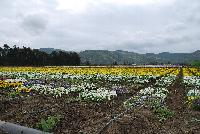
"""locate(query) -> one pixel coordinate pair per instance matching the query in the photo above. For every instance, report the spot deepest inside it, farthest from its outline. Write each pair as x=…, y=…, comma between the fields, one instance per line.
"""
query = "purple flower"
x=196, y=104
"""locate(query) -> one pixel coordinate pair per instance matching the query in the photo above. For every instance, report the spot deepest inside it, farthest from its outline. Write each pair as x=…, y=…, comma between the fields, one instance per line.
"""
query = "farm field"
x=97, y=100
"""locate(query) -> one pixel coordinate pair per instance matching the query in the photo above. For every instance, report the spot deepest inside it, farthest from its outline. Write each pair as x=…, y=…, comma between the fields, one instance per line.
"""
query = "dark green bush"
x=163, y=113
x=48, y=124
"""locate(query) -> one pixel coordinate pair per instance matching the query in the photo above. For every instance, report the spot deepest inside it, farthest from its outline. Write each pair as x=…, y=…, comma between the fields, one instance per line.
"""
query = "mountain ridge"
x=107, y=57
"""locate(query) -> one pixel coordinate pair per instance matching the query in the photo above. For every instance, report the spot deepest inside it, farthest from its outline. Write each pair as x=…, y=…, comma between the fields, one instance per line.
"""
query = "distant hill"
x=174, y=58
x=49, y=50
x=121, y=57
x=105, y=57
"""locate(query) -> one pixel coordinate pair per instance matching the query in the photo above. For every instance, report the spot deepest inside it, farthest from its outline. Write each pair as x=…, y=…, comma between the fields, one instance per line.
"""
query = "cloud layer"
x=139, y=26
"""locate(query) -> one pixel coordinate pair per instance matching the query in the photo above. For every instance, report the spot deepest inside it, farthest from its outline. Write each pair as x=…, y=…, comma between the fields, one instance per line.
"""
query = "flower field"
x=102, y=99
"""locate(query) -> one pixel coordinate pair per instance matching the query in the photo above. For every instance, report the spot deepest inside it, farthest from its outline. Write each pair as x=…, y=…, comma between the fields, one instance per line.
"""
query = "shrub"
x=14, y=94
x=48, y=124
x=163, y=113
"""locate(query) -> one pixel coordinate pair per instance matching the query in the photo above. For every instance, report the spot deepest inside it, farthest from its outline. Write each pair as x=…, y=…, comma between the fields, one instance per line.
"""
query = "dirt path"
x=177, y=93
x=176, y=101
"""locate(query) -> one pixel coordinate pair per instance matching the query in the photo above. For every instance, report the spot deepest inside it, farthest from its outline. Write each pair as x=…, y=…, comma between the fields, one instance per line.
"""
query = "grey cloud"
x=149, y=28
x=34, y=24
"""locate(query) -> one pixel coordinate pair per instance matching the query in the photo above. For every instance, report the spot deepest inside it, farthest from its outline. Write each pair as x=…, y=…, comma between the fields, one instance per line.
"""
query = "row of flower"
x=95, y=87
x=192, y=83
x=159, y=90
x=138, y=71
x=92, y=91
x=191, y=71
x=85, y=88
x=86, y=91
x=187, y=72
x=154, y=97
x=41, y=78
x=196, y=71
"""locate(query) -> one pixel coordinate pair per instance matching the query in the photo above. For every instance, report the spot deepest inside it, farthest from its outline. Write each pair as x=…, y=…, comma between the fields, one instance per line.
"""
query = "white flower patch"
x=16, y=80
x=192, y=80
x=147, y=91
x=97, y=95
x=193, y=92
x=48, y=90
x=166, y=81
x=154, y=92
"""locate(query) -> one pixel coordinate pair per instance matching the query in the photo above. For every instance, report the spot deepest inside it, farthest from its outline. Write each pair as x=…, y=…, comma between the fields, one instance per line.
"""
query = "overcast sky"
x=134, y=25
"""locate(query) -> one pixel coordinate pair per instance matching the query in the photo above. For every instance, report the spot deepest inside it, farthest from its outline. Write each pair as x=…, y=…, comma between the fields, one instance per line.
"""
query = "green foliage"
x=195, y=120
x=48, y=124
x=196, y=63
x=129, y=103
x=13, y=94
x=153, y=103
x=163, y=113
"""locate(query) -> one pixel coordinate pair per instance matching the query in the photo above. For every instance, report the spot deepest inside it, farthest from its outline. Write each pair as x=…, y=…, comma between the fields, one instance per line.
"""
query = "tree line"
x=15, y=56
